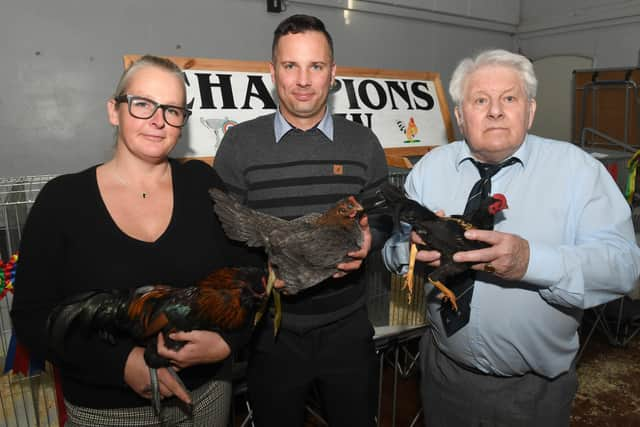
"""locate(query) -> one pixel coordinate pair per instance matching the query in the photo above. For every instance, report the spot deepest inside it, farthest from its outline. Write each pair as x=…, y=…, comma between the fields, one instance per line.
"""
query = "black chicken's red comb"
x=501, y=197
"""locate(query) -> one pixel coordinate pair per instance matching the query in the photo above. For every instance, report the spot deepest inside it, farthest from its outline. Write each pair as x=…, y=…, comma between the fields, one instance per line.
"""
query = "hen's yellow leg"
x=263, y=308
x=409, y=277
x=277, y=318
x=447, y=294
x=276, y=302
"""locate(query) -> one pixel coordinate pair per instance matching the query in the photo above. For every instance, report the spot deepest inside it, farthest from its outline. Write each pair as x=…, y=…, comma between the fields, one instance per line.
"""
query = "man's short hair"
x=519, y=63
x=299, y=24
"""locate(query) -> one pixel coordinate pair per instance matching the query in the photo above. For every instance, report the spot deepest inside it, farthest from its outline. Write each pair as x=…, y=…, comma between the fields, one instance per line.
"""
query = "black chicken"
x=444, y=234
x=223, y=301
x=302, y=252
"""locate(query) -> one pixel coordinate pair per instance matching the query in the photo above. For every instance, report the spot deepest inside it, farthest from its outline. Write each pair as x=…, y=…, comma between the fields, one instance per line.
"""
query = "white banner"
x=404, y=109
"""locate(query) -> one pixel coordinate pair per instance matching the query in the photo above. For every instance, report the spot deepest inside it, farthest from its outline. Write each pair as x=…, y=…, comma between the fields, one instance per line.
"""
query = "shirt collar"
x=523, y=153
x=282, y=126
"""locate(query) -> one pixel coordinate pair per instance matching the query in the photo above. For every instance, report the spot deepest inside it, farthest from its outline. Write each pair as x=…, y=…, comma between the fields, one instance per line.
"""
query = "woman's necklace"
x=144, y=194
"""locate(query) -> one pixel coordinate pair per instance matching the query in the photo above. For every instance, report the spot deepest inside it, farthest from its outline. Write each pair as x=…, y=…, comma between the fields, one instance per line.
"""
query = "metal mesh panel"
x=24, y=401
x=388, y=303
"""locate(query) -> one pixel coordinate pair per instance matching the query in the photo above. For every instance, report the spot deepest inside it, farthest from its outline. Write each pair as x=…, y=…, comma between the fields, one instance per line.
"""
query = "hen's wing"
x=310, y=255
x=242, y=223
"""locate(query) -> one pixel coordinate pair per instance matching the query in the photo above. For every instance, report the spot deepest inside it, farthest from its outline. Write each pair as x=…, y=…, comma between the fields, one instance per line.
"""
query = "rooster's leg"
x=447, y=294
x=155, y=388
x=409, y=277
x=155, y=391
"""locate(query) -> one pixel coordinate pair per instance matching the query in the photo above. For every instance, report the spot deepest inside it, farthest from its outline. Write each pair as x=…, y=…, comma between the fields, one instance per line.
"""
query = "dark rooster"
x=444, y=234
x=302, y=252
x=223, y=301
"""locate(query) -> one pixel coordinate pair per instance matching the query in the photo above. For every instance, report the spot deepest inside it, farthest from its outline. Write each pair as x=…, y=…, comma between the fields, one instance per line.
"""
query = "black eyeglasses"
x=144, y=108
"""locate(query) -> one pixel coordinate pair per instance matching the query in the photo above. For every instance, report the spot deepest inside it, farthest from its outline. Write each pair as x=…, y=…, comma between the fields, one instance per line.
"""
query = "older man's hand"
x=506, y=257
x=432, y=258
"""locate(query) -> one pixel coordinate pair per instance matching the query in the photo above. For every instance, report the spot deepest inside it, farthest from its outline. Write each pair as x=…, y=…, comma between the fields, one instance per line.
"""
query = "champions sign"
x=404, y=109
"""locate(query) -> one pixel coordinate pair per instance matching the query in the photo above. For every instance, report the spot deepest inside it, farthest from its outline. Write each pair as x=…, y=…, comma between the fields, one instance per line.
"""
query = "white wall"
x=606, y=30
x=555, y=95
x=554, y=33
x=61, y=59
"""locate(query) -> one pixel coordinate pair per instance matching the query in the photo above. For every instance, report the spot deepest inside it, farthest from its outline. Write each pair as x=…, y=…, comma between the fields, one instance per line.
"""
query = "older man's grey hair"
x=492, y=57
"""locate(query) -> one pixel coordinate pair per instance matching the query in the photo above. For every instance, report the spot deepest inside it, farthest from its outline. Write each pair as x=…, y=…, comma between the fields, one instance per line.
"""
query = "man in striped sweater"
x=300, y=160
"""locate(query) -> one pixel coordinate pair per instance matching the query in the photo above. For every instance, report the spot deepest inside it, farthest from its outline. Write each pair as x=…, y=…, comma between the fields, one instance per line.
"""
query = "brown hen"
x=302, y=252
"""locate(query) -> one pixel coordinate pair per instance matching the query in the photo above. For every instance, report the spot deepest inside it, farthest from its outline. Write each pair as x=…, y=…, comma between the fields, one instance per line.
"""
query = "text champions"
x=385, y=105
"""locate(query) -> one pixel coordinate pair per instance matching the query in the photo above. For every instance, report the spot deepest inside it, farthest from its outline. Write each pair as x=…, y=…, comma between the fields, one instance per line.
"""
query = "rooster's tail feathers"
x=87, y=310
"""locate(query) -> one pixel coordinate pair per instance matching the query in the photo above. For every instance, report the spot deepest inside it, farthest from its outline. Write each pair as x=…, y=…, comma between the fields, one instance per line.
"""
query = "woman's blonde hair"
x=142, y=62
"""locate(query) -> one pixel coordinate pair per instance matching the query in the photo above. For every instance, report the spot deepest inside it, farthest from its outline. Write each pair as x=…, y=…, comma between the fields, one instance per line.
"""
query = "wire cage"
x=24, y=400
x=388, y=303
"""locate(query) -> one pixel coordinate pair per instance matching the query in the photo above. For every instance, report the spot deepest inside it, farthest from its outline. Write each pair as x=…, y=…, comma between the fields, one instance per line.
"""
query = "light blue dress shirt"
x=282, y=126
x=582, y=253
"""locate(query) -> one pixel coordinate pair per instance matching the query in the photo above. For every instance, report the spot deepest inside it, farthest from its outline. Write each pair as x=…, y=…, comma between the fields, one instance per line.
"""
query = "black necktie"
x=454, y=320
x=482, y=187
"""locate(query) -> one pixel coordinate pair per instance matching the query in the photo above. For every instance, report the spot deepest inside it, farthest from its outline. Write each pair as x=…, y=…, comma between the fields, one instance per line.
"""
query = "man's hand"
x=359, y=255
x=432, y=258
x=136, y=375
x=201, y=347
x=507, y=257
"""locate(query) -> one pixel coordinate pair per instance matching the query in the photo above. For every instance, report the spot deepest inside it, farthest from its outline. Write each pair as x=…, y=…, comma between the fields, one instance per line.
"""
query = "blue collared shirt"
x=582, y=253
x=282, y=126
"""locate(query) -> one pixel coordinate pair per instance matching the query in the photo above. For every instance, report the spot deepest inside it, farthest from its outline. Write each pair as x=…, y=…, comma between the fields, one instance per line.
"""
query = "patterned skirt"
x=211, y=405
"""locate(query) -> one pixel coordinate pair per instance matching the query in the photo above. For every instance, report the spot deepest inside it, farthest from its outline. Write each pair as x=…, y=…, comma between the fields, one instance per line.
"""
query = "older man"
x=565, y=244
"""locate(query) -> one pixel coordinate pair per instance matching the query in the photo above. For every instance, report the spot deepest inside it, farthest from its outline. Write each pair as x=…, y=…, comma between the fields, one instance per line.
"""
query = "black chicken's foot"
x=447, y=294
x=409, y=277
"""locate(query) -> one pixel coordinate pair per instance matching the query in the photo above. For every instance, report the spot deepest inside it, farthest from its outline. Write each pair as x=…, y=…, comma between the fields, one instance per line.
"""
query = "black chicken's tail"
x=403, y=208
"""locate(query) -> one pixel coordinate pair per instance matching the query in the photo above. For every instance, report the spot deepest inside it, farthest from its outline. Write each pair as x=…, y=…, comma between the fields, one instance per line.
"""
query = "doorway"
x=555, y=94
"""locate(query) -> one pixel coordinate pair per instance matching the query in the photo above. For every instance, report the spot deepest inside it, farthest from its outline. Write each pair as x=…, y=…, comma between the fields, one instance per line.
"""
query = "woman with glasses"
x=140, y=218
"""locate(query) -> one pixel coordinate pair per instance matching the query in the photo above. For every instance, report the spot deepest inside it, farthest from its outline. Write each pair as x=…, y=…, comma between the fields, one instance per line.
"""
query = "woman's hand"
x=137, y=376
x=200, y=347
